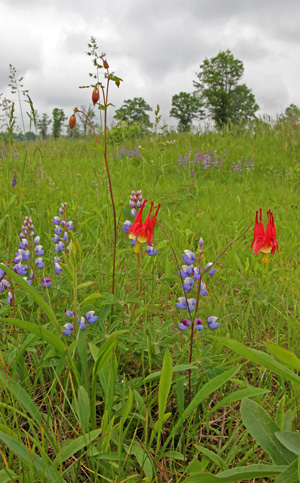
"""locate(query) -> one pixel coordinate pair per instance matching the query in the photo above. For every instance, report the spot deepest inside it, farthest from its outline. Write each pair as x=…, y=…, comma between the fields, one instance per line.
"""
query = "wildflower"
x=95, y=95
x=126, y=226
x=68, y=328
x=198, y=324
x=14, y=181
x=39, y=250
x=212, y=322
x=188, y=257
x=151, y=251
x=184, y=325
x=185, y=304
x=188, y=284
x=135, y=228
x=57, y=268
x=186, y=271
x=46, y=282
x=9, y=298
x=82, y=325
x=69, y=225
x=69, y=313
x=39, y=262
x=264, y=241
x=146, y=232
x=90, y=317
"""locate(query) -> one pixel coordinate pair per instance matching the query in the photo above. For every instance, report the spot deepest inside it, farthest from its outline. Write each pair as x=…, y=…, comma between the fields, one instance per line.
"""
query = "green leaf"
x=212, y=456
x=202, y=478
x=34, y=294
x=284, y=355
x=164, y=385
x=83, y=408
x=39, y=331
x=263, y=429
x=260, y=358
x=243, y=473
x=238, y=395
x=84, y=284
x=7, y=476
x=42, y=465
x=203, y=393
x=69, y=448
x=290, y=474
x=290, y=440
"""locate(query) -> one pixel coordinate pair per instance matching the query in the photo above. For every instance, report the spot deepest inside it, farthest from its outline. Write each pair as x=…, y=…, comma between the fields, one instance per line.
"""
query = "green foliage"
x=135, y=111
x=58, y=119
x=186, y=107
x=217, y=86
x=42, y=125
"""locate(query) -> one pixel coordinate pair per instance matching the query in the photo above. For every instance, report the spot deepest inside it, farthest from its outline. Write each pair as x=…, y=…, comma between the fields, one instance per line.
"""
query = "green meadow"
x=129, y=399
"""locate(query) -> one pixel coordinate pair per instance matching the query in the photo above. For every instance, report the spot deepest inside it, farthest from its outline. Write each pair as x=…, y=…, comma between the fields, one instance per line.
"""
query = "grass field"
x=124, y=399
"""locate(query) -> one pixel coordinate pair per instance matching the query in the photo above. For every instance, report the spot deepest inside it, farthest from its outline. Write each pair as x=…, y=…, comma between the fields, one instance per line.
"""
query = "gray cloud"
x=156, y=47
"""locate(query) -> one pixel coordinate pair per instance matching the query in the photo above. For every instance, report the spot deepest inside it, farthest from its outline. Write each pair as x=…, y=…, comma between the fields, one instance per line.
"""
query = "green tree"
x=186, y=107
x=292, y=113
x=217, y=86
x=42, y=125
x=134, y=111
x=58, y=119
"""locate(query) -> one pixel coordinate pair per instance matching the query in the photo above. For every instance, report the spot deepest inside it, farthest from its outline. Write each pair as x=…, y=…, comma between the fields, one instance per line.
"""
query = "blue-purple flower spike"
x=188, y=257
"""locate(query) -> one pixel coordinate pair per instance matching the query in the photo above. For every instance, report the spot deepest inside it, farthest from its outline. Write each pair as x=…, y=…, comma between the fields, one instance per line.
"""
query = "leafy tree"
x=42, y=125
x=217, y=85
x=59, y=118
x=134, y=111
x=292, y=113
x=186, y=107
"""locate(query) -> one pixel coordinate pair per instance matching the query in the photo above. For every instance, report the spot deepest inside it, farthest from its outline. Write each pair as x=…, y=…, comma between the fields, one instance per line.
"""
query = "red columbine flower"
x=146, y=233
x=135, y=228
x=264, y=241
x=95, y=95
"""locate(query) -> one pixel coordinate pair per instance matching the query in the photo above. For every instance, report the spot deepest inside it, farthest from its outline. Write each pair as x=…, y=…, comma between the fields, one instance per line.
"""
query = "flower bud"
x=72, y=121
x=105, y=64
x=95, y=95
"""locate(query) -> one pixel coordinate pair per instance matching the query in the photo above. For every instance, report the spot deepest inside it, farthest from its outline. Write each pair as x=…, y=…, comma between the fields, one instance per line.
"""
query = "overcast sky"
x=155, y=46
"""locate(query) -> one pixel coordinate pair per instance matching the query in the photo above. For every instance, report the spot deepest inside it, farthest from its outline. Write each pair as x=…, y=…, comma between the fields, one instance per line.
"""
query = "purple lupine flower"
x=186, y=271
x=188, y=284
x=201, y=242
x=18, y=258
x=196, y=274
x=39, y=262
x=82, y=325
x=69, y=225
x=203, y=290
x=151, y=251
x=188, y=257
x=9, y=298
x=55, y=239
x=133, y=213
x=127, y=224
x=184, y=325
x=20, y=269
x=57, y=268
x=2, y=273
x=58, y=230
x=39, y=250
x=90, y=317
x=212, y=322
x=36, y=240
x=68, y=328
x=56, y=220
x=24, y=243
x=46, y=282
x=133, y=242
x=69, y=313
x=59, y=247
x=25, y=254
x=198, y=324
x=182, y=305
x=28, y=281
x=14, y=181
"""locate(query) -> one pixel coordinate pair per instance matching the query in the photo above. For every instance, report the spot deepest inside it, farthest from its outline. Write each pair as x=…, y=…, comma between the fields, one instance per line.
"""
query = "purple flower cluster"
x=190, y=276
x=14, y=180
x=89, y=318
x=248, y=164
x=3, y=152
x=207, y=160
x=131, y=153
x=61, y=235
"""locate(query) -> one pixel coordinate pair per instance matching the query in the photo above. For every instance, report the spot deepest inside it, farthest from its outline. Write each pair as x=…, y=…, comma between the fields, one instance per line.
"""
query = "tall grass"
x=112, y=405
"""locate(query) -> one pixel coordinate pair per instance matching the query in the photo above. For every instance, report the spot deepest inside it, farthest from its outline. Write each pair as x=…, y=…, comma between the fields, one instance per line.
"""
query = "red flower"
x=72, y=121
x=144, y=231
x=264, y=241
x=135, y=228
